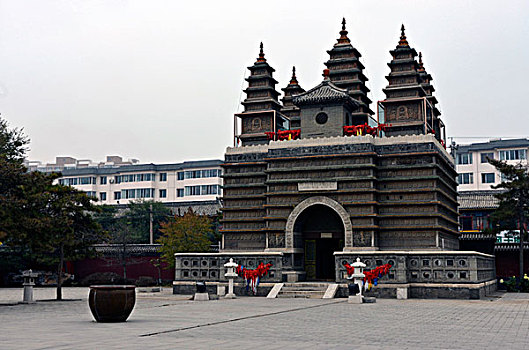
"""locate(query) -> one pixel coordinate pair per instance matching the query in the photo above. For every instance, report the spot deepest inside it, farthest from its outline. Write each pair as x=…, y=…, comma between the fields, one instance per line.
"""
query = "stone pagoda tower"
x=313, y=202
x=346, y=72
x=261, y=106
x=289, y=109
x=409, y=105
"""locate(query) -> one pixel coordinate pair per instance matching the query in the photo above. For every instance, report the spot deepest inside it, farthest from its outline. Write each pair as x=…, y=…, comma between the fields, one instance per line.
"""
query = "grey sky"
x=160, y=80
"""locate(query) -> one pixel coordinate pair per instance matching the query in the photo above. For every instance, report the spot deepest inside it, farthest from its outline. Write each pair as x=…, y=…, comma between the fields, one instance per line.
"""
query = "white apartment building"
x=474, y=171
x=176, y=184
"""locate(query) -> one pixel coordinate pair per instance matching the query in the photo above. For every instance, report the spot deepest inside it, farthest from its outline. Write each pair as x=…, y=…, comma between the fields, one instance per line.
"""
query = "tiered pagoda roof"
x=326, y=92
x=426, y=79
x=408, y=85
x=261, y=94
x=346, y=71
x=289, y=109
x=404, y=73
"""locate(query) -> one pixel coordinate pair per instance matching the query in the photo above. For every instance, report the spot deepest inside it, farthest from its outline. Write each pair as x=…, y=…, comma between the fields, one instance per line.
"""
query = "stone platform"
x=418, y=274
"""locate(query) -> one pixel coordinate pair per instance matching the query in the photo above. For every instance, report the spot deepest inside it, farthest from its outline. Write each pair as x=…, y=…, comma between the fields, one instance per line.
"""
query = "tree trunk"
x=59, y=272
x=521, y=273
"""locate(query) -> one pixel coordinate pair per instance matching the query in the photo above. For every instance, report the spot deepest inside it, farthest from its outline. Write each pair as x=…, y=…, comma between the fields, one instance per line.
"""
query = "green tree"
x=46, y=223
x=513, y=207
x=69, y=230
x=188, y=233
x=13, y=147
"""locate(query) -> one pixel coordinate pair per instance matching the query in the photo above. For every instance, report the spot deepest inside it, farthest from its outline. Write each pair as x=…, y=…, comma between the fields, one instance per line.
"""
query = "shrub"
x=103, y=278
x=510, y=284
x=145, y=281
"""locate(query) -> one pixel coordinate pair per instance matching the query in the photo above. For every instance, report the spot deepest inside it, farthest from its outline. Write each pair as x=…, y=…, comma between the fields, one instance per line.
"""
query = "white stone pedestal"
x=355, y=299
x=201, y=297
x=402, y=293
x=221, y=290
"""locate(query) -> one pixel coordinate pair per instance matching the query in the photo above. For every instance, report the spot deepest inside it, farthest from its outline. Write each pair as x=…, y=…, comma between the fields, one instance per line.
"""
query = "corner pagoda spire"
x=289, y=109
x=346, y=72
x=409, y=105
x=261, y=105
x=421, y=65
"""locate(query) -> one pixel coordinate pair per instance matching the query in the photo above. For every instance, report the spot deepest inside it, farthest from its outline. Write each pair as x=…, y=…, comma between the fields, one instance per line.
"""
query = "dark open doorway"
x=322, y=230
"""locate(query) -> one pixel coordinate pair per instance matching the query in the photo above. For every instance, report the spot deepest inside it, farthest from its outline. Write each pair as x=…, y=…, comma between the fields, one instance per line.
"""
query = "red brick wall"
x=136, y=267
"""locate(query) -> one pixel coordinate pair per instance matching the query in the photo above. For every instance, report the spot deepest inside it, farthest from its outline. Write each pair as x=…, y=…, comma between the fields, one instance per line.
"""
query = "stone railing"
x=423, y=266
x=210, y=266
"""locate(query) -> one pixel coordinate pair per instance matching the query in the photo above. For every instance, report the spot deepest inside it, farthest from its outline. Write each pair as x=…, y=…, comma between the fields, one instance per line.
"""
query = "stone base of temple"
x=427, y=290
x=414, y=273
x=239, y=289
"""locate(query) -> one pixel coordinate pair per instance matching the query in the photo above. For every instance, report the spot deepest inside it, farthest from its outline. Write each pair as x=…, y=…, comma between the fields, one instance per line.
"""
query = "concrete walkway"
x=166, y=321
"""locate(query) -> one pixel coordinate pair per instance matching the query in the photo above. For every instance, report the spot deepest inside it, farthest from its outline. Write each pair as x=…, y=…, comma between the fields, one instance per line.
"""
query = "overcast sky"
x=161, y=80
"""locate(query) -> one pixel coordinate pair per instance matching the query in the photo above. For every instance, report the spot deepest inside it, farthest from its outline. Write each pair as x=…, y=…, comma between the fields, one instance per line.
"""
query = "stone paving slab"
x=166, y=321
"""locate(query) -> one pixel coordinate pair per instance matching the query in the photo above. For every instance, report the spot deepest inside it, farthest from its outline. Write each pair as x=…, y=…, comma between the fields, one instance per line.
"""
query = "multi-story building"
x=475, y=173
x=178, y=185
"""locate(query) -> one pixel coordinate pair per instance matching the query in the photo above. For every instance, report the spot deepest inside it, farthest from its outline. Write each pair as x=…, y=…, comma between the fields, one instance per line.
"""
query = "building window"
x=117, y=196
x=466, y=223
x=163, y=193
x=486, y=156
x=210, y=173
x=487, y=178
x=179, y=192
x=163, y=176
x=513, y=154
x=465, y=178
x=103, y=180
x=464, y=158
x=192, y=190
x=180, y=175
x=91, y=194
x=475, y=222
x=103, y=196
x=209, y=189
x=135, y=178
x=137, y=193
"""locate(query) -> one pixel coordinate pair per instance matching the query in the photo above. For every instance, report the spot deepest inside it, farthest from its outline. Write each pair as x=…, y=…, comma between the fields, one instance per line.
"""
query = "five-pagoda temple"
x=316, y=181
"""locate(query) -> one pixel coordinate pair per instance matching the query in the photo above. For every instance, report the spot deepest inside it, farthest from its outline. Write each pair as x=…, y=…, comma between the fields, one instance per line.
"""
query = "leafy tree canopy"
x=514, y=195
x=48, y=223
x=188, y=233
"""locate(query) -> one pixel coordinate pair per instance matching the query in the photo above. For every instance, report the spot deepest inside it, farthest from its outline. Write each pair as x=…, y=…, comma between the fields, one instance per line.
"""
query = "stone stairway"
x=314, y=290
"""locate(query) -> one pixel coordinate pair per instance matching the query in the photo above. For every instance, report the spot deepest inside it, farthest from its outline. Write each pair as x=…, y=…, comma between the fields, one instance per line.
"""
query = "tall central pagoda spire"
x=346, y=72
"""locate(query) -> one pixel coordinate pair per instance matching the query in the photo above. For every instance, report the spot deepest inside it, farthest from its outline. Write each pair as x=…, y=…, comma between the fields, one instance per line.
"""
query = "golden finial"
x=343, y=34
x=403, y=41
x=261, y=54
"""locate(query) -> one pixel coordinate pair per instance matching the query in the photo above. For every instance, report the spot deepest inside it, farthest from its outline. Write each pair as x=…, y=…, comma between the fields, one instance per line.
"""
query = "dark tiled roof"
x=477, y=200
x=133, y=249
x=325, y=92
x=491, y=145
x=510, y=247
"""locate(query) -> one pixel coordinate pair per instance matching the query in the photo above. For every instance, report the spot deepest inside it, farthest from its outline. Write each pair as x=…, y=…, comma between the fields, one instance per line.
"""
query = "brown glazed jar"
x=112, y=303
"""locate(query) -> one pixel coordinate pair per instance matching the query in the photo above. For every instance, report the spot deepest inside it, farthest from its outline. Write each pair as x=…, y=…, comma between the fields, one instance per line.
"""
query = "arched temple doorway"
x=319, y=230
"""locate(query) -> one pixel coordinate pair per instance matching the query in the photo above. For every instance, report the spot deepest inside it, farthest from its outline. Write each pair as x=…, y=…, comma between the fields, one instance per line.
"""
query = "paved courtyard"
x=166, y=321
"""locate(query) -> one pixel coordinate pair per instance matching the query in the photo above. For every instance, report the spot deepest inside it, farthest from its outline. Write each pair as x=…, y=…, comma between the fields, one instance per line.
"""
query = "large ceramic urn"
x=112, y=303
